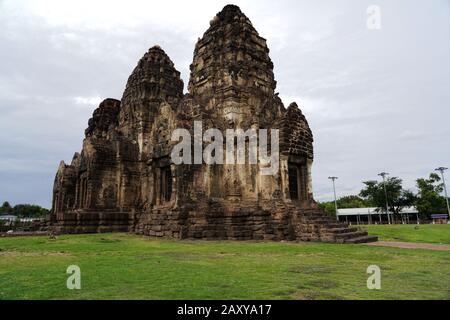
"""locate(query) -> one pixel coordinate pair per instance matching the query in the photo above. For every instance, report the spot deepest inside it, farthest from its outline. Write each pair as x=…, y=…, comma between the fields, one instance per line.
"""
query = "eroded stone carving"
x=124, y=180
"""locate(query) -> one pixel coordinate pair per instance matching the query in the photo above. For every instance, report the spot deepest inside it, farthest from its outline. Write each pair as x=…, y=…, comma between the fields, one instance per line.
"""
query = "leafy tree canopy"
x=5, y=208
x=24, y=210
x=398, y=198
x=429, y=200
x=352, y=201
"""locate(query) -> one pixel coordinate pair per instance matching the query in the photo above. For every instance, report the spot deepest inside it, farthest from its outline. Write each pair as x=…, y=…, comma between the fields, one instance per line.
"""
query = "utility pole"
x=442, y=169
x=335, y=199
x=384, y=174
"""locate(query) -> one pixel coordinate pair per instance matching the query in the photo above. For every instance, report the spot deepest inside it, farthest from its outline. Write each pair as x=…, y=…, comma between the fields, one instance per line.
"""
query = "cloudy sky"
x=377, y=100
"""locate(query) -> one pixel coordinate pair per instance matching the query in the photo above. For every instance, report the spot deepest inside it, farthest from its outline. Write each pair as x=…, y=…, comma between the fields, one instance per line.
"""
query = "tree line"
x=427, y=200
x=23, y=210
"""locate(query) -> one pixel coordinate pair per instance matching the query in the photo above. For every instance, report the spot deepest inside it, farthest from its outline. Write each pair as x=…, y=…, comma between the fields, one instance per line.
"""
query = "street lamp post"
x=335, y=200
x=384, y=174
x=442, y=169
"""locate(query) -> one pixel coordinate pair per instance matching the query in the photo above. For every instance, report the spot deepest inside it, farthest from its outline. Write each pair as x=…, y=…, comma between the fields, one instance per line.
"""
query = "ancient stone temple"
x=124, y=178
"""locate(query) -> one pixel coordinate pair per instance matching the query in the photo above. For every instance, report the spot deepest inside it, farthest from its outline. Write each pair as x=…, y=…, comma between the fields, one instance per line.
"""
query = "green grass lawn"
x=123, y=266
x=412, y=233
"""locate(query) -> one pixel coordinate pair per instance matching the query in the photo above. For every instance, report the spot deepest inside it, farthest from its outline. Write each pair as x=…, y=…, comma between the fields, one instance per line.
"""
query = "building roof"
x=7, y=217
x=371, y=211
x=439, y=216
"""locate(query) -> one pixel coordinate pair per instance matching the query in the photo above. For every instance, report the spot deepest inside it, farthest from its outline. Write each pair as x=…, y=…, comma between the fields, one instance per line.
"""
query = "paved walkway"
x=411, y=245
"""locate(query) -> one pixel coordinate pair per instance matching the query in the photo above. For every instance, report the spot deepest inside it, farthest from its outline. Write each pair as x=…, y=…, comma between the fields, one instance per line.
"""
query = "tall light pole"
x=442, y=169
x=384, y=174
x=335, y=199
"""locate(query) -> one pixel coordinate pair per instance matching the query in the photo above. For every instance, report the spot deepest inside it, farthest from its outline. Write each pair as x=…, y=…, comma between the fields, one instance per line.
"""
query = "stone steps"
x=316, y=224
x=350, y=235
x=341, y=230
x=363, y=239
x=337, y=225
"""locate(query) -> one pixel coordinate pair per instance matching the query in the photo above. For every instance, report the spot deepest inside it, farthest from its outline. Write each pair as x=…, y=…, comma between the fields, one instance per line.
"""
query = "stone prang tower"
x=124, y=179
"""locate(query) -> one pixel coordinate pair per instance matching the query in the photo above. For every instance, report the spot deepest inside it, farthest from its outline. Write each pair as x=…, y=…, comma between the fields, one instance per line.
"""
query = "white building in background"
x=8, y=217
x=375, y=215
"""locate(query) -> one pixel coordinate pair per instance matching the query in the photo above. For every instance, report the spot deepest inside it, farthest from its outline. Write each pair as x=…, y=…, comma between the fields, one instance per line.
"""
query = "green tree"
x=328, y=207
x=352, y=201
x=398, y=198
x=29, y=211
x=5, y=208
x=429, y=200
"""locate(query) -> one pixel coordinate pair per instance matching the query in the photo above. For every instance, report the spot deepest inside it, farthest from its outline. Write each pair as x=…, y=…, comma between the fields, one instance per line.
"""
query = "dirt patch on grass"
x=170, y=255
x=312, y=269
x=411, y=245
x=268, y=254
x=317, y=284
x=317, y=254
x=228, y=254
x=105, y=240
x=284, y=293
x=32, y=254
x=316, y=295
x=323, y=283
x=247, y=254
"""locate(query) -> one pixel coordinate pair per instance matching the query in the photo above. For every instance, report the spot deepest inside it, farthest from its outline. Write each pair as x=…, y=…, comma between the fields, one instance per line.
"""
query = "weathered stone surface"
x=124, y=179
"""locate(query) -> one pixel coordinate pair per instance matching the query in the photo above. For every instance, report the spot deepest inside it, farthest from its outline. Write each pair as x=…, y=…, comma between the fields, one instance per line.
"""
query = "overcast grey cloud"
x=375, y=99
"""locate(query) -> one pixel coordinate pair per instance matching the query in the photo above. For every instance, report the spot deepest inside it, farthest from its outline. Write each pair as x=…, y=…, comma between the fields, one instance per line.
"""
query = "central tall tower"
x=232, y=74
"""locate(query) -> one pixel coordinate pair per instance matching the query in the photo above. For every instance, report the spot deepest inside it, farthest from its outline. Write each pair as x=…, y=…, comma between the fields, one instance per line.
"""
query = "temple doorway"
x=297, y=176
x=166, y=184
x=293, y=182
